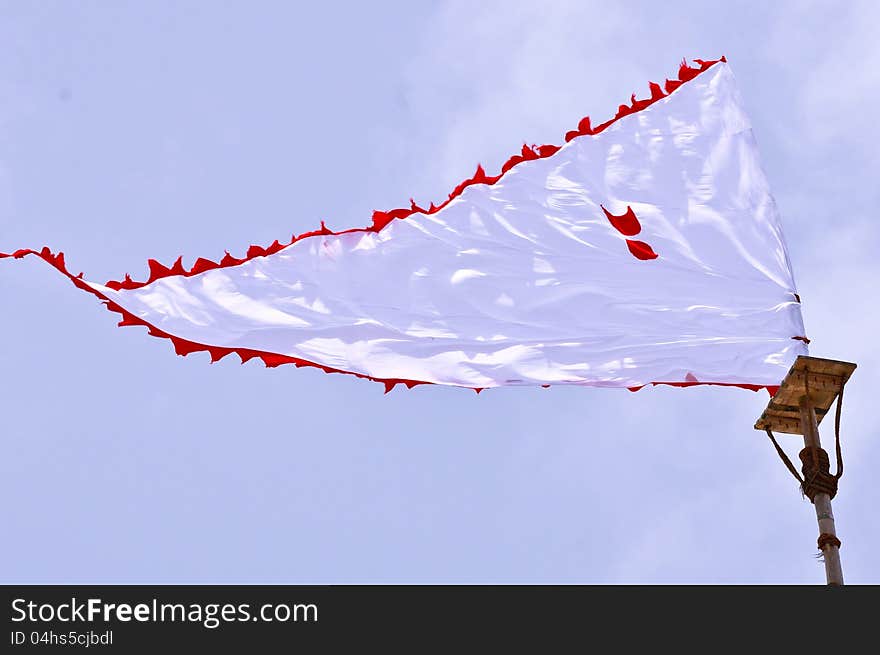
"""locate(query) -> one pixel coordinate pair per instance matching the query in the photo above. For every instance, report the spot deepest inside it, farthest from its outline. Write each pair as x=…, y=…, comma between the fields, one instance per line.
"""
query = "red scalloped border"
x=184, y=347
x=380, y=220
x=383, y=218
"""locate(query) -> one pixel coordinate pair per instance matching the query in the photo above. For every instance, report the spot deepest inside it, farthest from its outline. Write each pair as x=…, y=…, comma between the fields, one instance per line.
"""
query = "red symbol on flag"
x=628, y=225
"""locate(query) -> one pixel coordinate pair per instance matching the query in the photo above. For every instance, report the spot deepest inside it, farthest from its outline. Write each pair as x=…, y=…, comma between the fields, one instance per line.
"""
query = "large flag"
x=647, y=249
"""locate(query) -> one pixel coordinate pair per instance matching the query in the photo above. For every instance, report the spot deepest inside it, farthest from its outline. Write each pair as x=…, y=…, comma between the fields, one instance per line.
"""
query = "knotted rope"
x=816, y=469
x=815, y=464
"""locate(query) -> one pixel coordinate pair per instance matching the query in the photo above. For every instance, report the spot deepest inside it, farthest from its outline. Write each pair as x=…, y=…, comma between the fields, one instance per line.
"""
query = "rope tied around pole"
x=817, y=477
x=816, y=467
x=826, y=539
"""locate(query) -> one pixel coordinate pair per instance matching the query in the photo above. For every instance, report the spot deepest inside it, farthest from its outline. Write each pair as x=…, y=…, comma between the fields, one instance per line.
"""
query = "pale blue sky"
x=153, y=129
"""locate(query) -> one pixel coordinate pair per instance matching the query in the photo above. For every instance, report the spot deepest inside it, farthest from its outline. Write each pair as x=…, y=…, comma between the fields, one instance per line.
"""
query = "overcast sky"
x=153, y=129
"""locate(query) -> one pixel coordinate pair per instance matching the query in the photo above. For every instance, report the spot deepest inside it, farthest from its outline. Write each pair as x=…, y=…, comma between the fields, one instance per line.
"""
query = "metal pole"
x=822, y=501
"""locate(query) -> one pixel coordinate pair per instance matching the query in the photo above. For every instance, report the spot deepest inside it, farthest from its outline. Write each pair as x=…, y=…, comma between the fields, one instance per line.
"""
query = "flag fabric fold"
x=645, y=250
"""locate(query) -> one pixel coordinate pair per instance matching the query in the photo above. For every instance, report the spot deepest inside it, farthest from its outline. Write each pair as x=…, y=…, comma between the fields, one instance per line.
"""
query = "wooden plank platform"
x=822, y=377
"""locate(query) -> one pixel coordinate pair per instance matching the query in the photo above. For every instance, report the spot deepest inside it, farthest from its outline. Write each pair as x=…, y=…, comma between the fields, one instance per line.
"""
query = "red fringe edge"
x=383, y=218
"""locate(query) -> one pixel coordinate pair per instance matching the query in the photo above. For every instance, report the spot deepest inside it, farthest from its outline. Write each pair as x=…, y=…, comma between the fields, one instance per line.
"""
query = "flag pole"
x=804, y=398
x=829, y=544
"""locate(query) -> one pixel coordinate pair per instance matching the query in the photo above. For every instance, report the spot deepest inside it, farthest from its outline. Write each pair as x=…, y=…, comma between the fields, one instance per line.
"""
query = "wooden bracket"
x=821, y=379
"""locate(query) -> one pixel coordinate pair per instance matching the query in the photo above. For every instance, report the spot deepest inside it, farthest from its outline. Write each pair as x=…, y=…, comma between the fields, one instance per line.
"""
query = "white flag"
x=645, y=250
